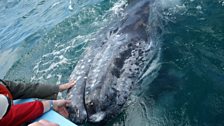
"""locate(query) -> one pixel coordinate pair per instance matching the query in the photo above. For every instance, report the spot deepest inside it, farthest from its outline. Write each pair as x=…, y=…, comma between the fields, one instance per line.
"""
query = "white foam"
x=55, y=4
x=59, y=79
x=199, y=7
x=154, y=66
x=70, y=7
x=169, y=3
x=50, y=63
x=49, y=76
x=118, y=7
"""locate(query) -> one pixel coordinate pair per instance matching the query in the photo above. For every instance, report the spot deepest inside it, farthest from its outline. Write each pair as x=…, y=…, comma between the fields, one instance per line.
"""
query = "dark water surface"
x=42, y=41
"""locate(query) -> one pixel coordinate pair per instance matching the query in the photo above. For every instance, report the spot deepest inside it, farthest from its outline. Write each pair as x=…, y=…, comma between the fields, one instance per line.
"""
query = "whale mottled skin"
x=110, y=68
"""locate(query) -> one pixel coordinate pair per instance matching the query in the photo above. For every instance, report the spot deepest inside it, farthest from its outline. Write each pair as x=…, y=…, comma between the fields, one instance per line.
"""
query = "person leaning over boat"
x=16, y=115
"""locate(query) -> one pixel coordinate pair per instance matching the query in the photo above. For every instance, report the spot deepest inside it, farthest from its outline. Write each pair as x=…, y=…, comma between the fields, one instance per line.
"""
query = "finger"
x=63, y=102
x=68, y=101
x=72, y=82
x=68, y=104
x=63, y=111
x=48, y=123
x=71, y=85
x=36, y=124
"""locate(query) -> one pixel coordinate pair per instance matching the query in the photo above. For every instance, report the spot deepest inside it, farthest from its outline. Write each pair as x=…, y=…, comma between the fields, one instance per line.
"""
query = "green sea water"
x=41, y=41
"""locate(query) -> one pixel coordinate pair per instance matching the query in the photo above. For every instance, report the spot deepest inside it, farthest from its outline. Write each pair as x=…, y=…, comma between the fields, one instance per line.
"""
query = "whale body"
x=111, y=67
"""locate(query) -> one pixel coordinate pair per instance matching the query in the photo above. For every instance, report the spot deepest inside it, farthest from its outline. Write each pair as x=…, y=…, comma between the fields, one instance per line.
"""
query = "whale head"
x=117, y=65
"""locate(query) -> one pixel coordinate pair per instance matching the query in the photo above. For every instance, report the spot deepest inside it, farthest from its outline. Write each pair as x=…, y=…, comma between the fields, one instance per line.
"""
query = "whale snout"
x=97, y=117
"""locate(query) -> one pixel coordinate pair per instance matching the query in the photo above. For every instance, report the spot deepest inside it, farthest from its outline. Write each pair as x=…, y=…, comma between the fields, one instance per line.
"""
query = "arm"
x=22, y=113
x=28, y=90
x=57, y=104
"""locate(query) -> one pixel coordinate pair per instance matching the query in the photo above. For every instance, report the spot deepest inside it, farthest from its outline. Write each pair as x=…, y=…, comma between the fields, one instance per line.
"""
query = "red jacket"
x=20, y=113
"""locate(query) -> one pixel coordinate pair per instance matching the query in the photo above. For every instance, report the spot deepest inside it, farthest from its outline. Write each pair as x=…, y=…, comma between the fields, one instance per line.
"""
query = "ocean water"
x=41, y=41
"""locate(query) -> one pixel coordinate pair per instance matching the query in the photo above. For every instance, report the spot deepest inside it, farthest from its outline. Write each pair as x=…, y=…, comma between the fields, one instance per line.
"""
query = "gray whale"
x=111, y=67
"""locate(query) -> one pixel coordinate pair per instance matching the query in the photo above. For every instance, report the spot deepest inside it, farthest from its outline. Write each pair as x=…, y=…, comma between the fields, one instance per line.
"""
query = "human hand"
x=43, y=123
x=59, y=106
x=66, y=86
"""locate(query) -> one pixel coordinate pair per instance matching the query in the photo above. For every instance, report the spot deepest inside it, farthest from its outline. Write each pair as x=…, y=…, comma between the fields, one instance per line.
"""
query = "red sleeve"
x=22, y=113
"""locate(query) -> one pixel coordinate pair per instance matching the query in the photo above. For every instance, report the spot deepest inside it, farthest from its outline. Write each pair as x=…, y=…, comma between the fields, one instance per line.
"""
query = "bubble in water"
x=222, y=2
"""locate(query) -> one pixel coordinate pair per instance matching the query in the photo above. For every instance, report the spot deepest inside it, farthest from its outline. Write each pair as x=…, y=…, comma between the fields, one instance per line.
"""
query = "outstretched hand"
x=67, y=86
x=59, y=106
